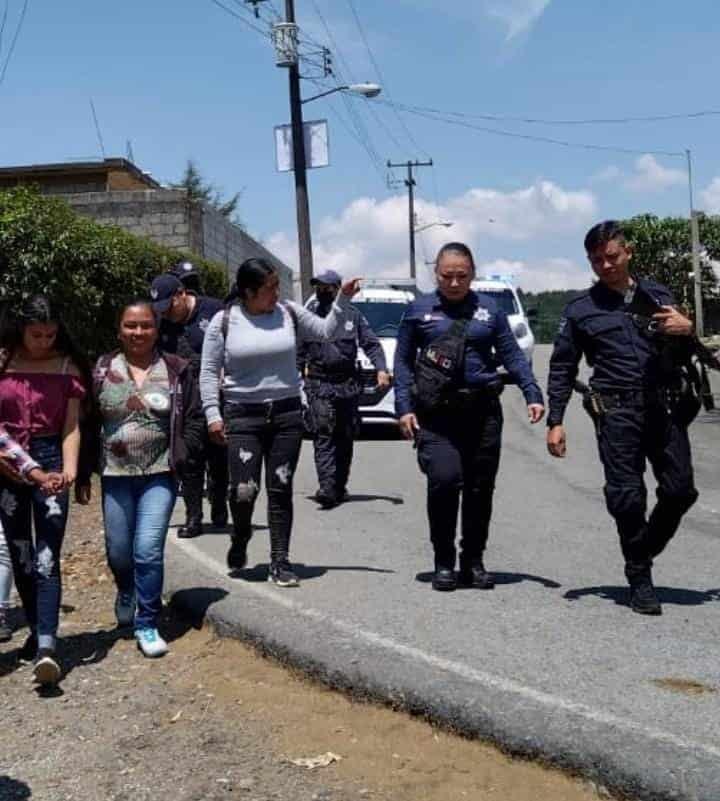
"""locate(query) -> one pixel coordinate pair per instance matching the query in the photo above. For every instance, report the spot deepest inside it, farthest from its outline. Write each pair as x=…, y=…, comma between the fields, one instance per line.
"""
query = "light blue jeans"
x=137, y=512
x=6, y=572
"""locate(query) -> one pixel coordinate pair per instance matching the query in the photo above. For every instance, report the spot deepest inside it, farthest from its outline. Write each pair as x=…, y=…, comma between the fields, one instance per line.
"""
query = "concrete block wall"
x=167, y=217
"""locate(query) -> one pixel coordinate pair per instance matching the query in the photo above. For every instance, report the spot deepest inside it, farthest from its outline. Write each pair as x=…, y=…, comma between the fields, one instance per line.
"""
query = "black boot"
x=444, y=579
x=193, y=497
x=237, y=553
x=643, y=598
x=476, y=576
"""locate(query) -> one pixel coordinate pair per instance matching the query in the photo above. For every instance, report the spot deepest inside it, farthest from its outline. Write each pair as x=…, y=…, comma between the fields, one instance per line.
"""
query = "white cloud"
x=710, y=197
x=370, y=237
x=540, y=274
x=517, y=15
x=607, y=175
x=651, y=176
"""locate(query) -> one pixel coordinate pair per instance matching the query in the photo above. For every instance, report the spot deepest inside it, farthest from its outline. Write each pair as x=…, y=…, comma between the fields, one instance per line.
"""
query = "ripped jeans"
x=274, y=439
x=36, y=565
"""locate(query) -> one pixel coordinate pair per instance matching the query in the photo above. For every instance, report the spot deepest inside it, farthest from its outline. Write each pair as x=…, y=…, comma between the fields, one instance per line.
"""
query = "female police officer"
x=447, y=398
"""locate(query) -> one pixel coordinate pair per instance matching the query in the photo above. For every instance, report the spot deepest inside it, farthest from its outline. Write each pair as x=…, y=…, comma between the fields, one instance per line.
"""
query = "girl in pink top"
x=41, y=388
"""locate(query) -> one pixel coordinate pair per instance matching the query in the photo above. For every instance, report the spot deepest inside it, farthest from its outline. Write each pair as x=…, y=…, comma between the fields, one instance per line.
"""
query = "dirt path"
x=213, y=720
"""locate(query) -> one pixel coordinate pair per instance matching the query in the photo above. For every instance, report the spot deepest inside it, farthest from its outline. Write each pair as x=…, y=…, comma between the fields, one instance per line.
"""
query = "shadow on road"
x=666, y=595
x=14, y=789
x=501, y=578
x=304, y=572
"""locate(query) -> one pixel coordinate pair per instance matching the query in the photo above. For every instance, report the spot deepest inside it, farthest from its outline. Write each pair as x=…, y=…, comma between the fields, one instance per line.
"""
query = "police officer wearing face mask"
x=447, y=398
x=184, y=318
x=332, y=387
x=639, y=401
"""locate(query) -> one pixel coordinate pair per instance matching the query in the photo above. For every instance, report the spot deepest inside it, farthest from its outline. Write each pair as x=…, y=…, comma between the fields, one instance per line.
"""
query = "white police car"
x=383, y=304
x=503, y=292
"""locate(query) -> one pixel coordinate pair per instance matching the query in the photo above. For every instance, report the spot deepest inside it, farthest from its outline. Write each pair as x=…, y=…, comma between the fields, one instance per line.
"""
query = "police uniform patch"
x=482, y=315
x=154, y=294
x=563, y=325
x=349, y=325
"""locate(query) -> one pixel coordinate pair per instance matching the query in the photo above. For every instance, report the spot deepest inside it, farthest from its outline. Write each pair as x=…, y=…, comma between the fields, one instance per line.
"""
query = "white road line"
x=457, y=668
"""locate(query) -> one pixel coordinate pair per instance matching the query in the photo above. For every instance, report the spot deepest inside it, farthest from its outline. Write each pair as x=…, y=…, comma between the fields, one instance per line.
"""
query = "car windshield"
x=384, y=317
x=504, y=299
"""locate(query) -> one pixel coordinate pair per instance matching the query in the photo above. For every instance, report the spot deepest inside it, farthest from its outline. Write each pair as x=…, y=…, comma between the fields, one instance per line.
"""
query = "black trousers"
x=254, y=440
x=334, y=424
x=214, y=460
x=627, y=436
x=459, y=452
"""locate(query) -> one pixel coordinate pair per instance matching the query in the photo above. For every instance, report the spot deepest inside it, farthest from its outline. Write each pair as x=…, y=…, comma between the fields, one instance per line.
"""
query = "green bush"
x=89, y=270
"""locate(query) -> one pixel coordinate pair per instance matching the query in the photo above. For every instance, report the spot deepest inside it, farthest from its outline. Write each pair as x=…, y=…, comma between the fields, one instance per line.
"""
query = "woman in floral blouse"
x=150, y=420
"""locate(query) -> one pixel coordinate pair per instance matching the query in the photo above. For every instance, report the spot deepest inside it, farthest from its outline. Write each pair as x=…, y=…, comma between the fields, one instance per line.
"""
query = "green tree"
x=663, y=251
x=198, y=188
x=88, y=269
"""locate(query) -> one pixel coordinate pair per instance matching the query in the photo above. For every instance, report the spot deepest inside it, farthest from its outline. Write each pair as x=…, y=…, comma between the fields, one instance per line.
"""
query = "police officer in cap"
x=185, y=316
x=447, y=398
x=188, y=275
x=332, y=387
x=638, y=400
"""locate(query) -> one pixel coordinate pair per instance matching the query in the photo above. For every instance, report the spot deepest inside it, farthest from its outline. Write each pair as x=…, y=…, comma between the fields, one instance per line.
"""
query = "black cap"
x=183, y=269
x=329, y=277
x=162, y=290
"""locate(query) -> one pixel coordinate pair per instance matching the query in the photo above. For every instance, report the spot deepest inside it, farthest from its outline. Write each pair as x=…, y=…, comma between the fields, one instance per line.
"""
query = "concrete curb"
x=626, y=757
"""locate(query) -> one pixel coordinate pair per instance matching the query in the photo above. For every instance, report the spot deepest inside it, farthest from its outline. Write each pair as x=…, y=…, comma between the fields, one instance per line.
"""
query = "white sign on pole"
x=317, y=147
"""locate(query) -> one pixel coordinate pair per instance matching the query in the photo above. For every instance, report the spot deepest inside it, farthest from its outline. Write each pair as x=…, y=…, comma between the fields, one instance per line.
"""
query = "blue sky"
x=184, y=79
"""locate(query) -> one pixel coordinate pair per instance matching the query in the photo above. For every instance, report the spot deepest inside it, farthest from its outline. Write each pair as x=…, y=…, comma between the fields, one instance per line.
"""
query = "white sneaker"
x=151, y=643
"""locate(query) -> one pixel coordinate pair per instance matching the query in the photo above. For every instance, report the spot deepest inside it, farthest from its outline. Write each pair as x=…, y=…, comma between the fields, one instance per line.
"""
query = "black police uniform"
x=635, y=411
x=333, y=389
x=186, y=339
x=459, y=445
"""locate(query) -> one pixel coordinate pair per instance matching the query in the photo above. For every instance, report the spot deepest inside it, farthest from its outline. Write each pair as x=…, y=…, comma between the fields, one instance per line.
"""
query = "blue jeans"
x=137, y=512
x=36, y=565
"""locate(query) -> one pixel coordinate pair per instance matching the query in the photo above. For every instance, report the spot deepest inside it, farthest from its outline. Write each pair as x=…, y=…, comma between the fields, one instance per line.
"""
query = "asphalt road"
x=550, y=663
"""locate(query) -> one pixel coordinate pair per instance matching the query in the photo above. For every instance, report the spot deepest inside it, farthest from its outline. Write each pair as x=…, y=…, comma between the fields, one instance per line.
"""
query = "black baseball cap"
x=329, y=277
x=162, y=290
x=183, y=269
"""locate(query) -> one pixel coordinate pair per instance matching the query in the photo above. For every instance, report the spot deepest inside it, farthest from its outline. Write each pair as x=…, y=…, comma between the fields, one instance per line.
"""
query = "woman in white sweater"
x=249, y=356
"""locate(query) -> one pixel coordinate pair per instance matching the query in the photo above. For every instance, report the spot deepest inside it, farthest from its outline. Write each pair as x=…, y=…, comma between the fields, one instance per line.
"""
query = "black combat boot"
x=643, y=598
x=476, y=576
x=444, y=579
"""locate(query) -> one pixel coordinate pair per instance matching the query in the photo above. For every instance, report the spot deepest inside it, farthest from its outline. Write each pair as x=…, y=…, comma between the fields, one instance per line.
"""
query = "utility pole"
x=410, y=183
x=300, y=170
x=697, y=268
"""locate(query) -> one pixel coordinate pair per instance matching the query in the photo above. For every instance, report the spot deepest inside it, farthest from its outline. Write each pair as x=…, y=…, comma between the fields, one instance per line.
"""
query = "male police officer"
x=636, y=398
x=185, y=317
x=188, y=275
x=333, y=389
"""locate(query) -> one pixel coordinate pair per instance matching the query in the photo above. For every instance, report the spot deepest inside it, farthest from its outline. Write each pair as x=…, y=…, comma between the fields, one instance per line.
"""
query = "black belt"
x=333, y=378
x=265, y=409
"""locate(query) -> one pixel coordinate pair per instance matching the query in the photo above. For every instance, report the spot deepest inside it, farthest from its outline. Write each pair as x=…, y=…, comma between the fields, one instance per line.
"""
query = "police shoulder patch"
x=482, y=314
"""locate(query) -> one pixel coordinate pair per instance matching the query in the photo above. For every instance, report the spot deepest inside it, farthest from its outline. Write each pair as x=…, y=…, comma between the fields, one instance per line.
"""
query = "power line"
x=591, y=121
x=541, y=139
x=4, y=22
x=383, y=82
x=14, y=41
x=244, y=20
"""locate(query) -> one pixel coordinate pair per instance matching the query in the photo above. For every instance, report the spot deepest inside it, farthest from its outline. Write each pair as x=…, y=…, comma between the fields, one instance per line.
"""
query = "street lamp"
x=368, y=90
x=438, y=223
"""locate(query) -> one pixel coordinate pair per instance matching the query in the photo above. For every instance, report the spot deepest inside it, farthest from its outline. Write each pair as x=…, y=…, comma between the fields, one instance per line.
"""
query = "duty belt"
x=333, y=378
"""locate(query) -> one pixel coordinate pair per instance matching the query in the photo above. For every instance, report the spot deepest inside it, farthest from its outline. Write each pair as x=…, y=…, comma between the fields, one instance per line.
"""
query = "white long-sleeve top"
x=258, y=360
